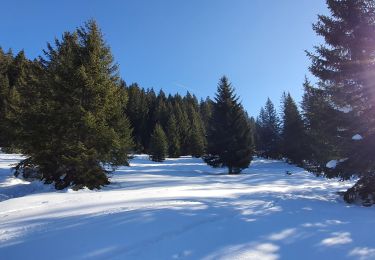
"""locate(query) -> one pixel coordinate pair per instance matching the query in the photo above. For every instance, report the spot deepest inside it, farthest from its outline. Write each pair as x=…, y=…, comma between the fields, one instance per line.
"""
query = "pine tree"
x=158, y=144
x=229, y=138
x=292, y=132
x=253, y=128
x=4, y=93
x=137, y=110
x=197, y=138
x=320, y=122
x=183, y=126
x=345, y=66
x=205, y=108
x=12, y=78
x=161, y=110
x=150, y=125
x=268, y=129
x=82, y=125
x=173, y=138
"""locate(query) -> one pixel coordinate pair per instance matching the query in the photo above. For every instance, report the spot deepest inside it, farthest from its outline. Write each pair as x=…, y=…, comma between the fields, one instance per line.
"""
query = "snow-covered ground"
x=183, y=209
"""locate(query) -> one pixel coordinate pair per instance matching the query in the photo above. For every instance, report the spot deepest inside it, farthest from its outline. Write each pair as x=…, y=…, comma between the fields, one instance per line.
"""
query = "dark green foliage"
x=229, y=134
x=321, y=121
x=12, y=78
x=205, y=108
x=145, y=109
x=183, y=127
x=173, y=138
x=268, y=131
x=292, y=132
x=78, y=123
x=158, y=144
x=197, y=138
x=137, y=110
x=160, y=114
x=346, y=69
x=253, y=133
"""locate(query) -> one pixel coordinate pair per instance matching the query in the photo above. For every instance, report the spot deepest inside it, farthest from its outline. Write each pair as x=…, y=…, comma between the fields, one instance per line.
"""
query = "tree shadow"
x=260, y=214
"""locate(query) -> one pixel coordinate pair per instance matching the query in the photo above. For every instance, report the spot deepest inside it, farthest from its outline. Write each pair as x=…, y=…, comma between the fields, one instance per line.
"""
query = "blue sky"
x=181, y=45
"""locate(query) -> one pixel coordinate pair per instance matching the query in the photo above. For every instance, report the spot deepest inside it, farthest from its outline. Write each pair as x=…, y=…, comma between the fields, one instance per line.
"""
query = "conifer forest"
x=95, y=167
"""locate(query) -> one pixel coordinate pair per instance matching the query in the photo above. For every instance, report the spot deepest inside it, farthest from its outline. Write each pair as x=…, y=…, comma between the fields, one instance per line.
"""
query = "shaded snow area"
x=183, y=209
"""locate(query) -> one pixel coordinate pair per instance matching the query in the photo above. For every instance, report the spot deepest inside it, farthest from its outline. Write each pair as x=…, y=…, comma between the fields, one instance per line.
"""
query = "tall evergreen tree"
x=158, y=144
x=13, y=73
x=269, y=131
x=4, y=96
x=345, y=66
x=137, y=110
x=82, y=123
x=292, y=132
x=197, y=138
x=183, y=126
x=253, y=129
x=229, y=138
x=206, y=111
x=320, y=123
x=151, y=103
x=173, y=138
x=161, y=110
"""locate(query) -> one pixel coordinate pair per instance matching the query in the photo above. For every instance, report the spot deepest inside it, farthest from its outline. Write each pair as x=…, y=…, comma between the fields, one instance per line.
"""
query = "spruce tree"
x=158, y=144
x=229, y=138
x=137, y=110
x=320, y=123
x=206, y=111
x=151, y=103
x=197, y=138
x=253, y=129
x=13, y=73
x=268, y=128
x=79, y=125
x=173, y=138
x=292, y=132
x=183, y=126
x=161, y=110
x=345, y=66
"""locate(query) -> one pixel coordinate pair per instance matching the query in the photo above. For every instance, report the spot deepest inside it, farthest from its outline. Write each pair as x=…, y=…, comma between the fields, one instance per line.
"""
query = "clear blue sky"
x=181, y=45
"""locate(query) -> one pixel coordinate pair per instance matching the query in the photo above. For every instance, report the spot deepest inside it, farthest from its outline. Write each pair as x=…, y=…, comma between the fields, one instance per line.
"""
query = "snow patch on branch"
x=345, y=109
x=333, y=163
x=357, y=137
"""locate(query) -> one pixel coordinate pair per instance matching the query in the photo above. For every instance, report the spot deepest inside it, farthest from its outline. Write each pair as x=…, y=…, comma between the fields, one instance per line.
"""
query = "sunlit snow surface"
x=183, y=209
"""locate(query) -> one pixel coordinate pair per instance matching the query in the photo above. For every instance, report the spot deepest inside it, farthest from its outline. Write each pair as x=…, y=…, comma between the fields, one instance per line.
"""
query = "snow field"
x=184, y=209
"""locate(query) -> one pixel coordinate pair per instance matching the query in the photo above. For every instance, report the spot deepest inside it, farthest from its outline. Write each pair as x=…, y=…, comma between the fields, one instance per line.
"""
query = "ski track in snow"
x=183, y=209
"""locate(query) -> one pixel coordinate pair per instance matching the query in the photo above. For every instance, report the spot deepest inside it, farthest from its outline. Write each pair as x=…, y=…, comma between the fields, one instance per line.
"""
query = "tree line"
x=167, y=125
x=75, y=119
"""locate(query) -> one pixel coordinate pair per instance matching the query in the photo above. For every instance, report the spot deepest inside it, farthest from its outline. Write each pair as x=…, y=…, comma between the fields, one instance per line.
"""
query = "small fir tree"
x=158, y=144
